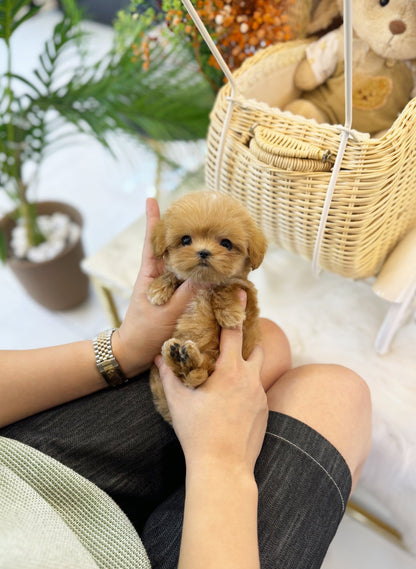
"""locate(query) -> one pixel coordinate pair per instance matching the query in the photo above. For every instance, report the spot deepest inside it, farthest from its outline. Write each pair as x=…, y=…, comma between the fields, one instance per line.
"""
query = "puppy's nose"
x=204, y=253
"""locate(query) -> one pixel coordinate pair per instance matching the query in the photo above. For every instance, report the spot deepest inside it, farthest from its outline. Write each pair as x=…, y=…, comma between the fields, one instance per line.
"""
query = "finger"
x=231, y=342
x=170, y=382
x=257, y=357
x=152, y=217
x=242, y=297
x=181, y=298
x=231, y=339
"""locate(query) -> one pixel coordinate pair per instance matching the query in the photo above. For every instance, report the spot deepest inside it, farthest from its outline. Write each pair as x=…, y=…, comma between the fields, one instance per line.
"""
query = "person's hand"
x=223, y=421
x=145, y=326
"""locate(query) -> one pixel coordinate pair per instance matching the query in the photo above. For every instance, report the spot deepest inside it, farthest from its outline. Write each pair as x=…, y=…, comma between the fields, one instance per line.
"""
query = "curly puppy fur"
x=209, y=238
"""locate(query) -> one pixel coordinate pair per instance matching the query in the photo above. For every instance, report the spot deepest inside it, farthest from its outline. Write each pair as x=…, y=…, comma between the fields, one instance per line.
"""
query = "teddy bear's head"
x=388, y=26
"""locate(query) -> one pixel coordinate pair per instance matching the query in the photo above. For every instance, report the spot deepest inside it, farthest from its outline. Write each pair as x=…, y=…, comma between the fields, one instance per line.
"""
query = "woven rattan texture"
x=374, y=203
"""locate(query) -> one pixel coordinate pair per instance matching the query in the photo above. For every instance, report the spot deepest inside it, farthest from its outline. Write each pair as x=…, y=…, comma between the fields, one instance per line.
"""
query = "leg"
x=307, y=109
x=316, y=442
x=277, y=356
x=334, y=401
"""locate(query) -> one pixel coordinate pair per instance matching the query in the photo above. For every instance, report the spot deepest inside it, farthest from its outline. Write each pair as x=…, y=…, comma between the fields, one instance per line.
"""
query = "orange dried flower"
x=241, y=27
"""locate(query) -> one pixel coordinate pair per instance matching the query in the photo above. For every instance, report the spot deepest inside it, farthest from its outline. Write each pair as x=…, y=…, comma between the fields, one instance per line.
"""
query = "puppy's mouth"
x=203, y=272
x=204, y=263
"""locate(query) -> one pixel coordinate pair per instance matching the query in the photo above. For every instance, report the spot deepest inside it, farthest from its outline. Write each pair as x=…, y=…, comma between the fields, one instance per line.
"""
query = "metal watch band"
x=107, y=364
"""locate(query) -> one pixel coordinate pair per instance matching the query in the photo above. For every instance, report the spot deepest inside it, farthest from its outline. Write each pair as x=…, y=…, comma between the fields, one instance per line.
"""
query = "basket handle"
x=345, y=134
x=227, y=72
x=210, y=42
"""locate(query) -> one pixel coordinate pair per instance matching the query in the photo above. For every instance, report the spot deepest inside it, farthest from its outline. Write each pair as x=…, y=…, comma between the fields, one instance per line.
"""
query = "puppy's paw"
x=196, y=377
x=162, y=288
x=191, y=357
x=181, y=358
x=231, y=317
x=171, y=355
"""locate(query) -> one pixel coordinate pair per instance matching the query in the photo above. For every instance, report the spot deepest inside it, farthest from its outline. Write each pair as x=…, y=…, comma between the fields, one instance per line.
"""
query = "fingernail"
x=242, y=295
x=158, y=360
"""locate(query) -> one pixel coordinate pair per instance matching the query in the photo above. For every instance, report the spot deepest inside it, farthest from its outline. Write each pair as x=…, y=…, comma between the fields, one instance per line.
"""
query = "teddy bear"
x=384, y=54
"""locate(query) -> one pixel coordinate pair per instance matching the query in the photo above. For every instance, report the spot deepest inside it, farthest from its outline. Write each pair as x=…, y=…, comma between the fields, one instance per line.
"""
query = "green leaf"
x=12, y=14
x=3, y=247
x=27, y=83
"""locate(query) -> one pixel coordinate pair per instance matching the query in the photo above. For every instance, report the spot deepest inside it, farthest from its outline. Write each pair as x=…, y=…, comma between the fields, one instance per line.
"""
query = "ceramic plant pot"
x=57, y=284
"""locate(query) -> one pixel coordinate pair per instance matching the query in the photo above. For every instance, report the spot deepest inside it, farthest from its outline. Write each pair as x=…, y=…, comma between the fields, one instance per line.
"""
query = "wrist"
x=107, y=364
x=130, y=366
x=210, y=469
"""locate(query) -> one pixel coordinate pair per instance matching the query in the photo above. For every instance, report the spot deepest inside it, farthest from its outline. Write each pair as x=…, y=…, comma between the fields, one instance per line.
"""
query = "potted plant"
x=97, y=99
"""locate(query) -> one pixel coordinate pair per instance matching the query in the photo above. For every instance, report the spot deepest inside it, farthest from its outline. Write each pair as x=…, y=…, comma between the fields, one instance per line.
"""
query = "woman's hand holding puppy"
x=225, y=418
x=221, y=426
x=135, y=346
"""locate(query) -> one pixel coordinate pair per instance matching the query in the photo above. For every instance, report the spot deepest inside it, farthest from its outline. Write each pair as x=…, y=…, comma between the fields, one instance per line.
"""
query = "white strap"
x=227, y=72
x=209, y=41
x=346, y=133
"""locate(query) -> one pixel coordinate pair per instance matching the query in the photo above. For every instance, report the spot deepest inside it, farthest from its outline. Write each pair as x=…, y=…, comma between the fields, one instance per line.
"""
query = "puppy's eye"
x=384, y=3
x=226, y=243
x=186, y=240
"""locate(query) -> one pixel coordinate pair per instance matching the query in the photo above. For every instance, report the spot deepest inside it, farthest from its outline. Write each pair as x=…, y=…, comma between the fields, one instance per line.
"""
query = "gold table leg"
x=364, y=517
x=106, y=298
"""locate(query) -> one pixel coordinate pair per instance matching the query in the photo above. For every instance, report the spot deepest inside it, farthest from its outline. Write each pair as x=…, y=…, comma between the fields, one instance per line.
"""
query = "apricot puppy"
x=211, y=239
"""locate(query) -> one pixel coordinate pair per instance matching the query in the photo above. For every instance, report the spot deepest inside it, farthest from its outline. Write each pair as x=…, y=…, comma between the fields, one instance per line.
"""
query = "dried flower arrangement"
x=239, y=29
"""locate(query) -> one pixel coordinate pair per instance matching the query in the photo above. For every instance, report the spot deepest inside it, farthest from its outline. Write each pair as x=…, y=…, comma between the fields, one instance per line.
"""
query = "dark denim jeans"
x=116, y=439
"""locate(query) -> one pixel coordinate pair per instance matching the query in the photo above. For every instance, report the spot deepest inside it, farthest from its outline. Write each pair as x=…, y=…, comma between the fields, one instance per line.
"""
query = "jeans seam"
x=316, y=462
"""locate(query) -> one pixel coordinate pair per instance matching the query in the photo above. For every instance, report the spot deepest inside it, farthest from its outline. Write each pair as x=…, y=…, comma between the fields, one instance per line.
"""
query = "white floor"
x=110, y=194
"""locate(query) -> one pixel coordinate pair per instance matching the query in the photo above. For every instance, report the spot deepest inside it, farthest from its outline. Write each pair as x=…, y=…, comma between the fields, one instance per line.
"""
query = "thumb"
x=257, y=357
x=171, y=383
x=181, y=298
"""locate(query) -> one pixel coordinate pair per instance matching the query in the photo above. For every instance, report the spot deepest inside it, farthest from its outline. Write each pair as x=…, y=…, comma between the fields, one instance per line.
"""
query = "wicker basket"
x=374, y=201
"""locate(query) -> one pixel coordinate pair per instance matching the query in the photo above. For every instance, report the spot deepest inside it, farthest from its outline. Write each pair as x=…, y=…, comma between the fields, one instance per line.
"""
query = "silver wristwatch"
x=107, y=364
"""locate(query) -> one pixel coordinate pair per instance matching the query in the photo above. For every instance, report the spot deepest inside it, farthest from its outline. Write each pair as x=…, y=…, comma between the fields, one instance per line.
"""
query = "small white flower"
x=45, y=251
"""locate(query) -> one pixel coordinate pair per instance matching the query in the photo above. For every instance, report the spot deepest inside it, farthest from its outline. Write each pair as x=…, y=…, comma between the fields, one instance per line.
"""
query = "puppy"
x=209, y=238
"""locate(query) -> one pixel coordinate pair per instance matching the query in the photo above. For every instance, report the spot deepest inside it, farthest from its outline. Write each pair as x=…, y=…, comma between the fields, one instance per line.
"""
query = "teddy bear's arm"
x=305, y=78
x=320, y=62
x=162, y=288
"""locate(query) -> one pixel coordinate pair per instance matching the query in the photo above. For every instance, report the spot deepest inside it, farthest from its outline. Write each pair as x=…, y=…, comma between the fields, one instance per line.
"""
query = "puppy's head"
x=208, y=237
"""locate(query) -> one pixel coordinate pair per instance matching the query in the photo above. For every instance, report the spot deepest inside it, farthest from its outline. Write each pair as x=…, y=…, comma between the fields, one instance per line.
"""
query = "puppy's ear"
x=158, y=239
x=257, y=246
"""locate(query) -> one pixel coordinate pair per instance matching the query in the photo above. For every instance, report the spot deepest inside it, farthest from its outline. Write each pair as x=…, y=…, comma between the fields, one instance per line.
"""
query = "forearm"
x=220, y=521
x=34, y=380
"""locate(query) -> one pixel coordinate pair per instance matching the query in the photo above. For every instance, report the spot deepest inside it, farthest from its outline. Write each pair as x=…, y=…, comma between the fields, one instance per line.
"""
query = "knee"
x=346, y=390
x=341, y=382
x=332, y=399
x=277, y=354
x=353, y=403
x=331, y=383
